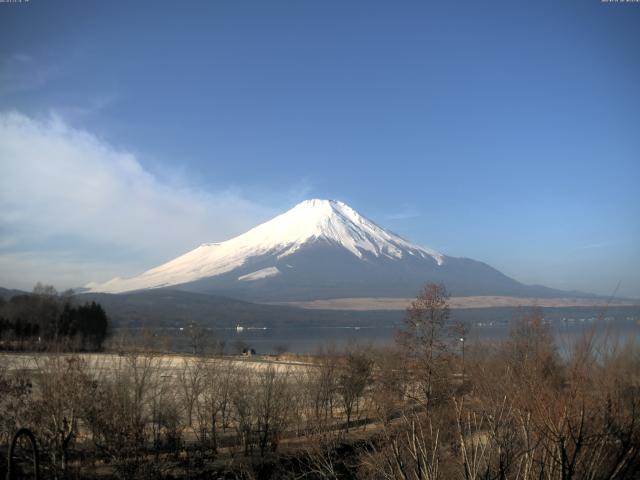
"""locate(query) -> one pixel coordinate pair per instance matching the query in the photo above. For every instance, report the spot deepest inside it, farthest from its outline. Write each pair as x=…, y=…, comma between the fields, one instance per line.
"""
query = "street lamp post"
x=462, y=343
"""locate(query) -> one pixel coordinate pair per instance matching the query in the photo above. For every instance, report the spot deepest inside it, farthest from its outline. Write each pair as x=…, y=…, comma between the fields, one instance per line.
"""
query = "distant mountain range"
x=7, y=294
x=322, y=249
x=165, y=307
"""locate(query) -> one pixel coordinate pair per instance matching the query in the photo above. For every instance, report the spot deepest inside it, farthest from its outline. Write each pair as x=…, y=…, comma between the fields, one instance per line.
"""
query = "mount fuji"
x=320, y=249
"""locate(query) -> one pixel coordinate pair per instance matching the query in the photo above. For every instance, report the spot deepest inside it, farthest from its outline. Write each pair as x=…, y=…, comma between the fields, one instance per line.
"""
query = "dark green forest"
x=45, y=317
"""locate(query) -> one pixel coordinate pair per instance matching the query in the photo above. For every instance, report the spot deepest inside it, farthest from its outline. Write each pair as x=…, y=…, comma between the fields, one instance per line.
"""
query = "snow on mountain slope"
x=260, y=274
x=312, y=220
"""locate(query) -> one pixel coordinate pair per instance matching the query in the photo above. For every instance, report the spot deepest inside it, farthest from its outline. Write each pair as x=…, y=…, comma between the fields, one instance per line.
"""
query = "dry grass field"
x=380, y=303
x=26, y=362
x=512, y=409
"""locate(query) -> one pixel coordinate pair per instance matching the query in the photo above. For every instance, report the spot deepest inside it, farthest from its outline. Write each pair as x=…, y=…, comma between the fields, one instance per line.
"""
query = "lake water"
x=309, y=338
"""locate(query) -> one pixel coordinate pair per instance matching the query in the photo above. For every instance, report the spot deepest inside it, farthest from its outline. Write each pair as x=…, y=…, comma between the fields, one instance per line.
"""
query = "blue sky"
x=504, y=131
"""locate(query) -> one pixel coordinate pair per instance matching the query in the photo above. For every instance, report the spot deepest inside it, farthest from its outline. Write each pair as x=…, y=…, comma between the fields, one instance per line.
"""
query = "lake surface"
x=309, y=338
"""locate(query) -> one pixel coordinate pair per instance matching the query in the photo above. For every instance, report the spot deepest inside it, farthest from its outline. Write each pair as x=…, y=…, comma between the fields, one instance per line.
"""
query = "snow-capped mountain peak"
x=336, y=222
x=311, y=221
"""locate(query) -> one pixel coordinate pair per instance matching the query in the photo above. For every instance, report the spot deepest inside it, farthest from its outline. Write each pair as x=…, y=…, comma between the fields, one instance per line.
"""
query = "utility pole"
x=462, y=343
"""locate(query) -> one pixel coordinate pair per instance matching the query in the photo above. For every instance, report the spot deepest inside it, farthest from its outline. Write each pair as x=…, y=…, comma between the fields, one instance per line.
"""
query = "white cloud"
x=58, y=182
x=22, y=270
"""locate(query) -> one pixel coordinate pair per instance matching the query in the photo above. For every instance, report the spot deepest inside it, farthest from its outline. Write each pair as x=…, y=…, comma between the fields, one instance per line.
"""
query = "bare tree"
x=272, y=405
x=322, y=385
x=121, y=410
x=212, y=408
x=190, y=381
x=321, y=453
x=423, y=338
x=532, y=348
x=165, y=414
x=410, y=450
x=390, y=383
x=15, y=402
x=244, y=415
x=353, y=379
x=63, y=387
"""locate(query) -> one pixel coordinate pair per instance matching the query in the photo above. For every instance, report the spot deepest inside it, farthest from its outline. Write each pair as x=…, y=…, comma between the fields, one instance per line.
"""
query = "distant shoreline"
x=380, y=303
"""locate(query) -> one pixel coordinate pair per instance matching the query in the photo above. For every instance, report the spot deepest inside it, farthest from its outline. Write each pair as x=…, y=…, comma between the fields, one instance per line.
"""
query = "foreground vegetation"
x=433, y=407
x=45, y=319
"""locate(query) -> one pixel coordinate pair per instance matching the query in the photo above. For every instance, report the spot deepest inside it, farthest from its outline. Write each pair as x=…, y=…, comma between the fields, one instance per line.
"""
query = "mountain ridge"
x=310, y=221
x=321, y=249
